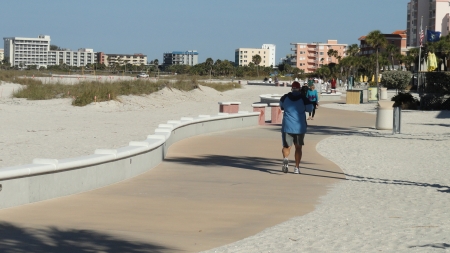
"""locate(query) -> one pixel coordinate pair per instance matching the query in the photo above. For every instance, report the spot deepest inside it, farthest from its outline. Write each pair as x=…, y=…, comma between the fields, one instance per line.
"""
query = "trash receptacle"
x=383, y=95
x=372, y=94
x=385, y=115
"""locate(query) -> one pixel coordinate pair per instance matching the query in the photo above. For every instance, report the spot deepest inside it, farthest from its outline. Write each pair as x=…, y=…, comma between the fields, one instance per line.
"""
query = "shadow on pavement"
x=16, y=239
x=266, y=165
x=325, y=130
x=433, y=246
x=243, y=162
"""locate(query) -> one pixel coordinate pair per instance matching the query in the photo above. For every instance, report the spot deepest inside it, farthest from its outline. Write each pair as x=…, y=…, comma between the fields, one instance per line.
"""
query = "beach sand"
x=395, y=198
x=56, y=129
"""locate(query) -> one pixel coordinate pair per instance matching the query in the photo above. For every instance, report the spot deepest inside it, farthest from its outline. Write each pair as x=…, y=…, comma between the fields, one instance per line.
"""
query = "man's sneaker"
x=285, y=165
x=297, y=171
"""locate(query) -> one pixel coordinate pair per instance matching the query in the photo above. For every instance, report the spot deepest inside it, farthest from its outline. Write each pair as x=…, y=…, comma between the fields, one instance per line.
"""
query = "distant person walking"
x=313, y=97
x=333, y=84
x=293, y=127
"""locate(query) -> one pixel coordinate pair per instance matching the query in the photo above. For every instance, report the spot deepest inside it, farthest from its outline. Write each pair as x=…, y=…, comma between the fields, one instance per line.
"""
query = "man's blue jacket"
x=295, y=105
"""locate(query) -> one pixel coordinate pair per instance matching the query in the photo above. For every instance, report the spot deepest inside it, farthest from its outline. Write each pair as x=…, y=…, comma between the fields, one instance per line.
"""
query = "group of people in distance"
x=295, y=104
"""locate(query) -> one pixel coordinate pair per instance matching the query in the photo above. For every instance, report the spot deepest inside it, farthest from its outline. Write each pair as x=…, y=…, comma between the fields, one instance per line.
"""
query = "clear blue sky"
x=213, y=28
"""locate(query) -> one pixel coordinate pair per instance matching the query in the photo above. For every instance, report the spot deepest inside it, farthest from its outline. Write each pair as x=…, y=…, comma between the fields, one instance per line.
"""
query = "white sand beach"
x=56, y=129
x=395, y=198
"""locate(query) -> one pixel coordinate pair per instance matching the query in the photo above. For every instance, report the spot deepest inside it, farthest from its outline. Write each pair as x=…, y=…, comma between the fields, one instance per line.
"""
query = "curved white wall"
x=50, y=178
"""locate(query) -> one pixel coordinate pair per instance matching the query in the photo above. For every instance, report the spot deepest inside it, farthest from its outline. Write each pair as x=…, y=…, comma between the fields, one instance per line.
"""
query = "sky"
x=213, y=28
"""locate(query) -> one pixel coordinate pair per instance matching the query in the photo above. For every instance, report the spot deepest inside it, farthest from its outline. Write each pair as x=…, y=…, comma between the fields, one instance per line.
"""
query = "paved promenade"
x=211, y=190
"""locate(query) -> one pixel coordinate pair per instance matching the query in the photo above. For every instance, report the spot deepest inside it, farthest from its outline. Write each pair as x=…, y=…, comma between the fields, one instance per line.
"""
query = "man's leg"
x=287, y=141
x=299, y=142
x=286, y=151
x=298, y=155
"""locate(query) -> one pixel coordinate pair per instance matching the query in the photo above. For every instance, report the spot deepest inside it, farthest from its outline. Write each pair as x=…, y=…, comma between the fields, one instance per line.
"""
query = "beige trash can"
x=385, y=115
x=383, y=95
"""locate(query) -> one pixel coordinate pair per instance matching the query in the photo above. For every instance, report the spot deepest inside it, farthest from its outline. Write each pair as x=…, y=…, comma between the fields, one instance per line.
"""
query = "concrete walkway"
x=211, y=190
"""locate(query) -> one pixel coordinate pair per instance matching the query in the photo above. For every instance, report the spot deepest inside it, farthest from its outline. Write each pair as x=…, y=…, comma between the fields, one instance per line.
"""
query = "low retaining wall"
x=51, y=178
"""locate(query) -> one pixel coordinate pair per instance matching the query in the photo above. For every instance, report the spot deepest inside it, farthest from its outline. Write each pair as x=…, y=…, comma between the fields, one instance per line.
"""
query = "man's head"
x=295, y=86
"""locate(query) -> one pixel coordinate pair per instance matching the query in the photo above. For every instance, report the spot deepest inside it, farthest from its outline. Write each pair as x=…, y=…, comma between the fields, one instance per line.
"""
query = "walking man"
x=293, y=127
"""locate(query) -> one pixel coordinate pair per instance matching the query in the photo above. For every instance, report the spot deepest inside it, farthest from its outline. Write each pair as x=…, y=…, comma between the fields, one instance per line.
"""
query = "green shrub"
x=437, y=82
x=396, y=79
x=87, y=92
x=35, y=90
x=222, y=86
x=405, y=101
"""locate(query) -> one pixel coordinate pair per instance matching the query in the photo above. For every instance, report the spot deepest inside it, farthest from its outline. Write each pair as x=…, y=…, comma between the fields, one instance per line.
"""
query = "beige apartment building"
x=122, y=59
x=435, y=15
x=310, y=56
x=243, y=56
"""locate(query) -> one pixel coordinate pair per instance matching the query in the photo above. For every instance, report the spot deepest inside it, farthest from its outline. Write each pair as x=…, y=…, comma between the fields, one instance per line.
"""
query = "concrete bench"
x=261, y=108
x=276, y=115
x=229, y=107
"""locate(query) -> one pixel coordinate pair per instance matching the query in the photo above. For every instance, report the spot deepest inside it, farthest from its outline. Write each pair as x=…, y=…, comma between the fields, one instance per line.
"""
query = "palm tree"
x=332, y=52
x=209, y=63
x=376, y=40
x=444, y=49
x=353, y=50
x=391, y=49
x=256, y=59
x=155, y=62
x=400, y=58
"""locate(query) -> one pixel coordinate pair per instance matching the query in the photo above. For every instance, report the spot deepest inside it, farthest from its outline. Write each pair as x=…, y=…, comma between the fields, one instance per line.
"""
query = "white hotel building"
x=36, y=51
x=272, y=49
x=72, y=58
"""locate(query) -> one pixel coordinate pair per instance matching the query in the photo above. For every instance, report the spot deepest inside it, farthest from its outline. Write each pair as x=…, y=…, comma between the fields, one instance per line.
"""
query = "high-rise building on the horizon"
x=311, y=56
x=435, y=15
x=24, y=52
x=272, y=50
x=243, y=56
x=189, y=57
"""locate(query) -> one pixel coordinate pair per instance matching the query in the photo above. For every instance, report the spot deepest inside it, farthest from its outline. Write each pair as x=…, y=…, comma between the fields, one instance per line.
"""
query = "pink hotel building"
x=310, y=56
